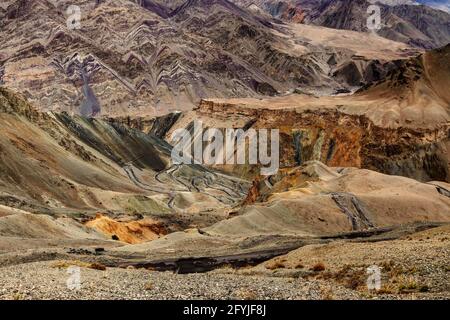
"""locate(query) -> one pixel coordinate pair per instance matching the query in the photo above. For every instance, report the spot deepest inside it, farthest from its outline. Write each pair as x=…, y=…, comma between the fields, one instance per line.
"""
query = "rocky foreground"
x=413, y=267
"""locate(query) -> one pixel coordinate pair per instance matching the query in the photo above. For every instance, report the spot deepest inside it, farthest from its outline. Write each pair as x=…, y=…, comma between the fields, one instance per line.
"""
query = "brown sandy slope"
x=311, y=201
x=35, y=226
x=415, y=94
x=319, y=200
x=130, y=232
x=76, y=167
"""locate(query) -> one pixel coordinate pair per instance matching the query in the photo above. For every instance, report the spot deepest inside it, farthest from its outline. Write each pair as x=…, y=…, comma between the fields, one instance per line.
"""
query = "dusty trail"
x=210, y=181
x=132, y=176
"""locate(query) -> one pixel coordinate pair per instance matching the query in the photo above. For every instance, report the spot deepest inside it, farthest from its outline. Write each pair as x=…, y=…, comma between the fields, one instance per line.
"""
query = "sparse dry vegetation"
x=76, y=263
x=276, y=264
x=318, y=267
x=396, y=279
x=327, y=293
x=149, y=286
x=350, y=277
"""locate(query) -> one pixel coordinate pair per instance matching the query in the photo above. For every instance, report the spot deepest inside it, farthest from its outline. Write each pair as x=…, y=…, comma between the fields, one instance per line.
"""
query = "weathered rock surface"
x=417, y=25
x=76, y=167
x=398, y=126
x=132, y=60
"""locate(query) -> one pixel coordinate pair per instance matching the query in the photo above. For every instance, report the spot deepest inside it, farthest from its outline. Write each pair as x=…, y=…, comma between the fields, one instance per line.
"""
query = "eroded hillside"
x=88, y=181
x=76, y=167
x=132, y=60
x=399, y=125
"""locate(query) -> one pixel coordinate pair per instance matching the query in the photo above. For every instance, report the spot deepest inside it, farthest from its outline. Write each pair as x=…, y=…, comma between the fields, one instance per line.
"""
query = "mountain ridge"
x=144, y=64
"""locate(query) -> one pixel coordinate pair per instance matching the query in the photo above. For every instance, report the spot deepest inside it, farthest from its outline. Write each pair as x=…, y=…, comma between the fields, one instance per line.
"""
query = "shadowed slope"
x=54, y=163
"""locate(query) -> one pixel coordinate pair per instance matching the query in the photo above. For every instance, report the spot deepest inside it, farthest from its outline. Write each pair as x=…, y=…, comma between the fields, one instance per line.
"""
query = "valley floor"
x=414, y=266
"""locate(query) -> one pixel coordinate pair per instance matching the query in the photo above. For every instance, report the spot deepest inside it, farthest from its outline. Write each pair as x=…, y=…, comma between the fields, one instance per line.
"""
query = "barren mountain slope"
x=417, y=25
x=305, y=203
x=413, y=94
x=288, y=11
x=317, y=199
x=87, y=177
x=424, y=26
x=397, y=126
x=76, y=167
x=133, y=60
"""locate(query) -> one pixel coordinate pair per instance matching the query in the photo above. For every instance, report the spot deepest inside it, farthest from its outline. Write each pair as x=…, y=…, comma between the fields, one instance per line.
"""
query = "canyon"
x=88, y=178
x=386, y=126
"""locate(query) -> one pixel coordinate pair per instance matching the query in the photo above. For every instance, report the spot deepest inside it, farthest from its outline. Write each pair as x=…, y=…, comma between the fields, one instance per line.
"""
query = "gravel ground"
x=412, y=267
x=41, y=280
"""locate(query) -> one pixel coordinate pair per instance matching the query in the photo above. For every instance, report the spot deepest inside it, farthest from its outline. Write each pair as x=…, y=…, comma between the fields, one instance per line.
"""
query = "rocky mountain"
x=421, y=24
x=128, y=59
x=91, y=94
x=76, y=167
x=280, y=9
x=398, y=125
x=417, y=25
x=443, y=5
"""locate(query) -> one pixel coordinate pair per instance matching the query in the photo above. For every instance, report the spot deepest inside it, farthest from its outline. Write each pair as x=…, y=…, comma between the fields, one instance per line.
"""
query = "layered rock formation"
x=397, y=126
x=424, y=26
x=288, y=11
x=420, y=26
x=86, y=169
x=127, y=59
